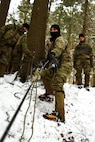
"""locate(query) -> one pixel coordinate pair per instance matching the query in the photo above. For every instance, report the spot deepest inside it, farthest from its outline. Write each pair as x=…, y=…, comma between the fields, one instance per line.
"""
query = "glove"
x=50, y=56
x=54, y=64
x=36, y=75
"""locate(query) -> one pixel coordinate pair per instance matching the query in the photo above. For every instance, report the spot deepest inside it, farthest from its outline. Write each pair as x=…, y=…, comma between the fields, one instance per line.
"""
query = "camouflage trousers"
x=53, y=84
x=2, y=69
x=56, y=80
x=83, y=67
x=5, y=54
x=25, y=69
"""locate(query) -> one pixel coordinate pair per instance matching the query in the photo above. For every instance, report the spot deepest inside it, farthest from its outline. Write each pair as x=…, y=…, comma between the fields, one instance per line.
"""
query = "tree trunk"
x=36, y=34
x=69, y=31
x=85, y=17
x=4, y=7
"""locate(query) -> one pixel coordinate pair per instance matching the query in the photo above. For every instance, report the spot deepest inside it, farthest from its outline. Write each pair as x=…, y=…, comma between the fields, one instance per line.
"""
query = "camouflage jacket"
x=59, y=47
x=9, y=35
x=82, y=50
x=21, y=49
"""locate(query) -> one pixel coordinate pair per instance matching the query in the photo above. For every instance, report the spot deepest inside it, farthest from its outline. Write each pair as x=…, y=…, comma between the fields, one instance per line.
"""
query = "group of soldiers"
x=14, y=54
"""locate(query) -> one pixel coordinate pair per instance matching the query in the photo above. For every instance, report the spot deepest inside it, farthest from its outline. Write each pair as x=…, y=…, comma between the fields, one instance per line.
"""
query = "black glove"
x=50, y=56
x=53, y=62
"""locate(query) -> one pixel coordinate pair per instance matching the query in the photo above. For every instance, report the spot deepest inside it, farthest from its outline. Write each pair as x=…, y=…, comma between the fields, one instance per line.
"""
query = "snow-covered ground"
x=30, y=126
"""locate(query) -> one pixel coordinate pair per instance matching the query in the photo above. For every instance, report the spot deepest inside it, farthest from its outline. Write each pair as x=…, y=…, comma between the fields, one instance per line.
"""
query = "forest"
x=73, y=17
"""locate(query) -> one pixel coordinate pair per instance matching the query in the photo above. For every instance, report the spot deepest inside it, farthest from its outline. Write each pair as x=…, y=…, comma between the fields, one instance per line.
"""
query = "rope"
x=32, y=127
x=14, y=116
x=22, y=136
x=35, y=79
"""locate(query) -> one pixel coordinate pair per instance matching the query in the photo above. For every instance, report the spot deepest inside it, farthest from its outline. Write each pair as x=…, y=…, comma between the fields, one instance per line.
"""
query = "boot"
x=53, y=116
x=59, y=113
x=59, y=104
x=45, y=97
x=2, y=69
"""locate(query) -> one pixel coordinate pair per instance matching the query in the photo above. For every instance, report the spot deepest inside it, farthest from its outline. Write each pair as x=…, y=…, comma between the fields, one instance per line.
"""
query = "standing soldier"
x=22, y=56
x=82, y=62
x=9, y=35
x=55, y=76
x=17, y=52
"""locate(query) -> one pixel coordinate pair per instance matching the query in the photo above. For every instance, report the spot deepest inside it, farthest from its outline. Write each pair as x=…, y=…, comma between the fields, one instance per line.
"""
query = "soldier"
x=17, y=52
x=9, y=35
x=22, y=56
x=55, y=76
x=82, y=61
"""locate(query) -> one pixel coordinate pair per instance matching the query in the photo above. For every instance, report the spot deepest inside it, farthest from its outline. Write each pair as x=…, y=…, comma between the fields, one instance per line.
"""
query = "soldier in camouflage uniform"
x=54, y=78
x=83, y=61
x=9, y=35
x=22, y=56
x=17, y=52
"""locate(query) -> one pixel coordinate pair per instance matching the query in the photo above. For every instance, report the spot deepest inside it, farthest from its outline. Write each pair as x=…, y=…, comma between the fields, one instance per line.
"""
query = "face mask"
x=54, y=35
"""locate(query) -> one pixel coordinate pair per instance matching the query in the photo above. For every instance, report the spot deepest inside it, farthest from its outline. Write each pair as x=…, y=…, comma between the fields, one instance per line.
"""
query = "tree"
x=25, y=10
x=36, y=34
x=4, y=7
x=85, y=17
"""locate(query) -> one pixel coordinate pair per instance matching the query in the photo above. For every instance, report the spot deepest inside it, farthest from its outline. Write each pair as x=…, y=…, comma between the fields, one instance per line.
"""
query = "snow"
x=30, y=126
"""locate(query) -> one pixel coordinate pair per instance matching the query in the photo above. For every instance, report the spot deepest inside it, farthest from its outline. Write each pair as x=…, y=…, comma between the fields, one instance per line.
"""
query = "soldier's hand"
x=36, y=75
x=50, y=56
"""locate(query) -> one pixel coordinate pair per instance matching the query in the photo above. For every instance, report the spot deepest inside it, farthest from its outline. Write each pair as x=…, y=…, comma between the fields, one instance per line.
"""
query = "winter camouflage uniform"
x=22, y=58
x=9, y=35
x=54, y=82
x=83, y=61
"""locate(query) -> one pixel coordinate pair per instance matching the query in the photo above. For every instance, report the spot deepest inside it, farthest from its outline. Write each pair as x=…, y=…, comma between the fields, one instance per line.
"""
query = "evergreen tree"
x=25, y=10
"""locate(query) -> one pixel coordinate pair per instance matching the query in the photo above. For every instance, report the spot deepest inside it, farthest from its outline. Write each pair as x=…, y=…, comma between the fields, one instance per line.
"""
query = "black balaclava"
x=54, y=35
